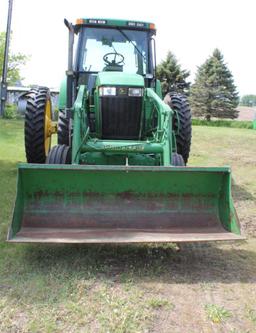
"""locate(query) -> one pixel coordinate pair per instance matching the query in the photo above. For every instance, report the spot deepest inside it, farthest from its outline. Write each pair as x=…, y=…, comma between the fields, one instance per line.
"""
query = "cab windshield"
x=120, y=50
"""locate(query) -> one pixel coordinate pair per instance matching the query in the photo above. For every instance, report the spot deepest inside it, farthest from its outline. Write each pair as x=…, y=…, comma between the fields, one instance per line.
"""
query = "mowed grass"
x=133, y=288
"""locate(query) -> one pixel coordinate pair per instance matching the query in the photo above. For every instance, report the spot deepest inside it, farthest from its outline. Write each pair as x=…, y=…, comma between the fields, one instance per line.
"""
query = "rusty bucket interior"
x=118, y=204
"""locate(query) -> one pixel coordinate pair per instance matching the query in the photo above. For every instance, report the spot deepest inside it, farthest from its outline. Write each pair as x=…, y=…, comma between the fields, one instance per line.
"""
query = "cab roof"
x=128, y=24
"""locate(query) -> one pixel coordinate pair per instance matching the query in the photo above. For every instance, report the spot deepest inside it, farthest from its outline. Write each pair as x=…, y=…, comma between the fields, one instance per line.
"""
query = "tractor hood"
x=119, y=79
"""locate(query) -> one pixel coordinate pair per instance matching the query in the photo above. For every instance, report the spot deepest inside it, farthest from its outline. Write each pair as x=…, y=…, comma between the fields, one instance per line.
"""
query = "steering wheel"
x=113, y=62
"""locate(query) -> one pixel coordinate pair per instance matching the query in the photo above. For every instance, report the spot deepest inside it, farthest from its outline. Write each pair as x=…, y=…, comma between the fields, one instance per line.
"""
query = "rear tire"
x=63, y=128
x=177, y=160
x=38, y=110
x=179, y=103
x=59, y=154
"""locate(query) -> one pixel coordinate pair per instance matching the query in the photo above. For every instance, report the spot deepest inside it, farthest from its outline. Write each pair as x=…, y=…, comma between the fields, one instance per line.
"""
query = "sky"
x=191, y=29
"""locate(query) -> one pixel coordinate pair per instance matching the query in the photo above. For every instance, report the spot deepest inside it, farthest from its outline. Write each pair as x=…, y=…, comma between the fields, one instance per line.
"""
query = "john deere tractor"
x=118, y=173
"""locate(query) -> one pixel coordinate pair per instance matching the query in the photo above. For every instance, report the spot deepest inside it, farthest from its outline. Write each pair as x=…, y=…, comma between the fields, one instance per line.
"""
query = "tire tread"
x=34, y=124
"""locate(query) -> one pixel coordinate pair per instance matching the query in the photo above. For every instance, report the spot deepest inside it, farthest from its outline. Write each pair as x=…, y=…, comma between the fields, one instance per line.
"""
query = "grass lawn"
x=134, y=288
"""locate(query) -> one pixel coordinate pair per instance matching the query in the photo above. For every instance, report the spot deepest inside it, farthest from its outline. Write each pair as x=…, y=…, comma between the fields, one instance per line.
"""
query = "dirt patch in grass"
x=136, y=288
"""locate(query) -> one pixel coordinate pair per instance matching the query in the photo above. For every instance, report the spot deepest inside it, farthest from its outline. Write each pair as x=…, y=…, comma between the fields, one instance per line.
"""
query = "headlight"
x=135, y=92
x=107, y=91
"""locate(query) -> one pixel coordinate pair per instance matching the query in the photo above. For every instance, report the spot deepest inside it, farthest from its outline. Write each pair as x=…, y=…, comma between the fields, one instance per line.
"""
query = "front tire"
x=59, y=154
x=177, y=160
x=38, y=117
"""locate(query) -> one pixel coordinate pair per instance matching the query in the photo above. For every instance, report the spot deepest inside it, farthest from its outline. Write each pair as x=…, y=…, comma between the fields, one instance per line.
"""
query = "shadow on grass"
x=195, y=263
x=240, y=193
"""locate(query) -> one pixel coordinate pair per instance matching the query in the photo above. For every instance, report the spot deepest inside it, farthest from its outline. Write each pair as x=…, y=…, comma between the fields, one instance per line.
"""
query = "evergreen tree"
x=214, y=93
x=171, y=76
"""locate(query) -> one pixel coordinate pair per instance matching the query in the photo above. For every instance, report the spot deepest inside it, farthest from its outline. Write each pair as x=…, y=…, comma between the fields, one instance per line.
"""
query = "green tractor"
x=118, y=173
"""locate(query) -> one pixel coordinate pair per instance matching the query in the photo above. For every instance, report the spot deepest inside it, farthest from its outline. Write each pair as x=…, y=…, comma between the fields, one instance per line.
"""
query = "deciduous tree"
x=15, y=61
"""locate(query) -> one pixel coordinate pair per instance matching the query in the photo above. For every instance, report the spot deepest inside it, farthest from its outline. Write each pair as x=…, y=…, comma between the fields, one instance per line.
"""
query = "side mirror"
x=69, y=25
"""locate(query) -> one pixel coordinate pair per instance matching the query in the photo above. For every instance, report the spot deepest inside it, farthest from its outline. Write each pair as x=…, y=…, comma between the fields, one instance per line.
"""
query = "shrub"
x=223, y=123
x=10, y=111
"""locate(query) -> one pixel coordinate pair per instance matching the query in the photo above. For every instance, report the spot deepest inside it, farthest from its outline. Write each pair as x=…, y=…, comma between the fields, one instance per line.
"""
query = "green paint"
x=62, y=95
x=119, y=146
x=159, y=89
x=119, y=79
x=78, y=130
x=135, y=25
x=164, y=127
x=194, y=191
x=103, y=158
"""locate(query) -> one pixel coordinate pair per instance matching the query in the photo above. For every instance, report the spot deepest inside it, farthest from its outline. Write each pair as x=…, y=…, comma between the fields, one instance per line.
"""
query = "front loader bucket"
x=118, y=204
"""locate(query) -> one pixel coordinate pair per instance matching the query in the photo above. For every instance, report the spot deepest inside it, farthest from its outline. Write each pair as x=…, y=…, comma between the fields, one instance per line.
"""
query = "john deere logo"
x=122, y=91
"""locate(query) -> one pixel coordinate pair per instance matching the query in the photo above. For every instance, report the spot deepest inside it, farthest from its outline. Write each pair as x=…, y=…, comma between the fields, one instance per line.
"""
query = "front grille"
x=121, y=117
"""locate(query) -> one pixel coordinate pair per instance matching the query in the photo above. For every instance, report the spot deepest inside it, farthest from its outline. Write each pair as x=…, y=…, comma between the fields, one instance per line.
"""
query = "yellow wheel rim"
x=47, y=126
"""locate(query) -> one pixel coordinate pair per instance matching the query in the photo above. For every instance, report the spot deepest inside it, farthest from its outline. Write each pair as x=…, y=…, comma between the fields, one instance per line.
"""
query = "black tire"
x=179, y=103
x=177, y=160
x=59, y=154
x=63, y=128
x=35, y=143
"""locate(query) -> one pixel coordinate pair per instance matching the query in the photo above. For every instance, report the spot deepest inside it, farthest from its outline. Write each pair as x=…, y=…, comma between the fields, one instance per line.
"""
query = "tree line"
x=213, y=94
x=248, y=100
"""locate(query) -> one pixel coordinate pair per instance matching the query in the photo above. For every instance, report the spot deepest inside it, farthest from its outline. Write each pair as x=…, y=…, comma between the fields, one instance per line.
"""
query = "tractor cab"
x=115, y=61
x=114, y=46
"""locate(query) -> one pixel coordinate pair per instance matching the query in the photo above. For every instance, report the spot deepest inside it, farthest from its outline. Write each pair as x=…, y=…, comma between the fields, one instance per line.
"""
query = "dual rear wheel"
x=181, y=125
x=38, y=125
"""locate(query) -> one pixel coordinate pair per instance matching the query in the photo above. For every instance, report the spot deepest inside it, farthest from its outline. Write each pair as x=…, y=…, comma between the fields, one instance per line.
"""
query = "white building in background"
x=17, y=96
